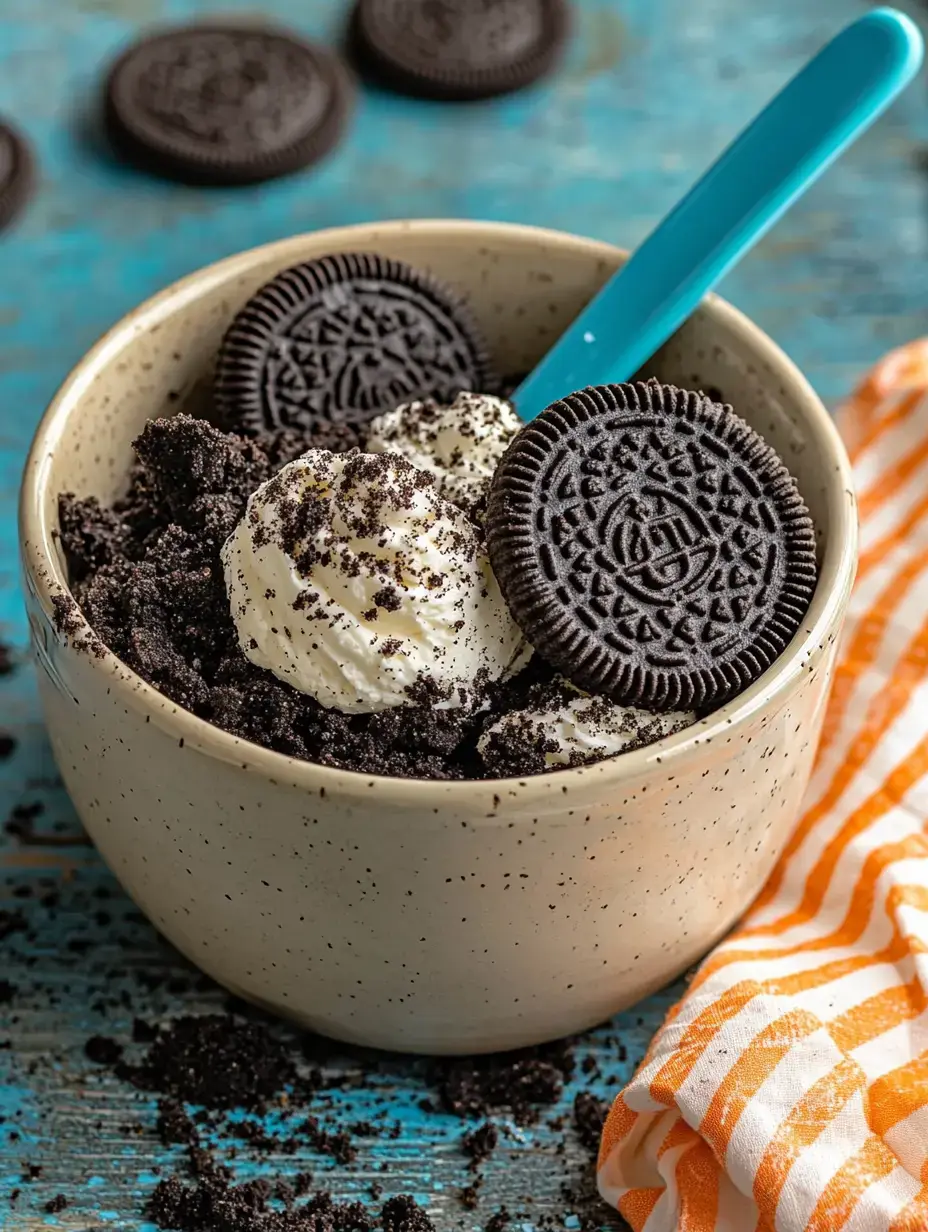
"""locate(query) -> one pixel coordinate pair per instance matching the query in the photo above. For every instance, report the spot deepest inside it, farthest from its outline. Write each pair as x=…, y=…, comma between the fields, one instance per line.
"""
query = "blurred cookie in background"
x=458, y=49
x=226, y=104
x=17, y=173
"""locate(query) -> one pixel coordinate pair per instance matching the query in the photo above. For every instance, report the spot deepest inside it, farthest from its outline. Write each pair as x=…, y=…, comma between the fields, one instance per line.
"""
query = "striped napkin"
x=788, y=1090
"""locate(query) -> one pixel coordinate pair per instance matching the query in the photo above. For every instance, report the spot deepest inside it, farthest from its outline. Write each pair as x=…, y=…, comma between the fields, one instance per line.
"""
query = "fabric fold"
x=788, y=1090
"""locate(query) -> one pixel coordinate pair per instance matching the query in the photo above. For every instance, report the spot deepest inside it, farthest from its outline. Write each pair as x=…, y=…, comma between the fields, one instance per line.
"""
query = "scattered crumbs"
x=148, y=577
x=478, y=1144
x=143, y=1032
x=498, y=1221
x=102, y=1050
x=520, y=1083
x=215, y=1060
x=174, y=1125
x=66, y=614
x=403, y=1214
x=589, y=1118
x=469, y=1196
x=213, y=1204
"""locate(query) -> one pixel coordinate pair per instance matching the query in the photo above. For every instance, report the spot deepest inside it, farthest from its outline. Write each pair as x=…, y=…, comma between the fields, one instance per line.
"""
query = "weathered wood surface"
x=651, y=92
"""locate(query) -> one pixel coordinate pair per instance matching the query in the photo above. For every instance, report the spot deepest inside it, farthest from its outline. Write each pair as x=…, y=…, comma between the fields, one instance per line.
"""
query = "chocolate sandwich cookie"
x=342, y=338
x=459, y=49
x=17, y=173
x=650, y=545
x=226, y=104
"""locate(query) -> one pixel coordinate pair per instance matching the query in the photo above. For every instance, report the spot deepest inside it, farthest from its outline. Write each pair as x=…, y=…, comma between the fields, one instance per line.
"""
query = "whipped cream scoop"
x=459, y=444
x=351, y=578
x=579, y=730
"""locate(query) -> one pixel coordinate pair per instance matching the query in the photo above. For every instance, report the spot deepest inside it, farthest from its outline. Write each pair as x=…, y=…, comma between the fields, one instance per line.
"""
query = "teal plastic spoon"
x=825, y=107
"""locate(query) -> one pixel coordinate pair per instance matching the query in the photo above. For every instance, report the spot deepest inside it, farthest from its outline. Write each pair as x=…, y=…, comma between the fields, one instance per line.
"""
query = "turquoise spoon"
x=825, y=107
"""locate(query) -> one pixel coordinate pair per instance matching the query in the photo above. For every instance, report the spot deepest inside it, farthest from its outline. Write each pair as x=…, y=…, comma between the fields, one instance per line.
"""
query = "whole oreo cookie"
x=342, y=338
x=226, y=104
x=17, y=173
x=651, y=545
x=459, y=49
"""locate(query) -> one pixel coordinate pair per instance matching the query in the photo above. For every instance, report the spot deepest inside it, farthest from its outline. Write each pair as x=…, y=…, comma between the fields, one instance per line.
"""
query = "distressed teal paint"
x=651, y=92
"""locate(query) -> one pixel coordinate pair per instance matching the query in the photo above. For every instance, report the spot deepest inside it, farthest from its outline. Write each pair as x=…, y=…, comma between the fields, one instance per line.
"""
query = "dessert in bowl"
x=491, y=907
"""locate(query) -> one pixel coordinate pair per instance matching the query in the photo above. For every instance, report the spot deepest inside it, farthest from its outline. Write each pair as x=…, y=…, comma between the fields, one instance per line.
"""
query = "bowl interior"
x=525, y=288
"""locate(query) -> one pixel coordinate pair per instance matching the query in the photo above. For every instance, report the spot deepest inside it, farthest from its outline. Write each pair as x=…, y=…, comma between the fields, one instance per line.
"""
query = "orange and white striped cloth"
x=788, y=1090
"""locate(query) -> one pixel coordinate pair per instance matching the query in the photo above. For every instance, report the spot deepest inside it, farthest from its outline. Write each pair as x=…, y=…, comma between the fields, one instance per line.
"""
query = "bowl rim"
x=45, y=576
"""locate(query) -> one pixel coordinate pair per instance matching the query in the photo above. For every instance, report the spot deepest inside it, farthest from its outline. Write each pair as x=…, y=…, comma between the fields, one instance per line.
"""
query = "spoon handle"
x=784, y=150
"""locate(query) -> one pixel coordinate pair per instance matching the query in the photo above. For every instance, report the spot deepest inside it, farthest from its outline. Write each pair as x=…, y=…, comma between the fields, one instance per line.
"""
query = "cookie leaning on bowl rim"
x=651, y=545
x=340, y=339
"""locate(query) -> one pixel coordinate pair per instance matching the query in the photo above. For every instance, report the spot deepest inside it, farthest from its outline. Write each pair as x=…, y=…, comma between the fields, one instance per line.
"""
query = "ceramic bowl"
x=428, y=916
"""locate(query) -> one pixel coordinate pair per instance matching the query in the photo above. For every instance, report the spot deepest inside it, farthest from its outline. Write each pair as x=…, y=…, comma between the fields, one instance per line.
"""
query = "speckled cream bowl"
x=425, y=916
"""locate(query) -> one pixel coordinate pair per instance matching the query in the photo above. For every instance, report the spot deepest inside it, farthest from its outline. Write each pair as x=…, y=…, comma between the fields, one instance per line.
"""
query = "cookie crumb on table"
x=589, y=1118
x=217, y=1061
x=214, y=1075
x=479, y=1144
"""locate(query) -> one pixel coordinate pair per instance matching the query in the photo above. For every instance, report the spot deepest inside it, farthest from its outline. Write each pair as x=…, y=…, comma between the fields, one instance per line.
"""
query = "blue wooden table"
x=651, y=91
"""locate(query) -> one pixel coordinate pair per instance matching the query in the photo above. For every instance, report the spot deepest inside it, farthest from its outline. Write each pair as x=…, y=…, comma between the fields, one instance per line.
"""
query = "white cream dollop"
x=459, y=444
x=582, y=729
x=351, y=578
